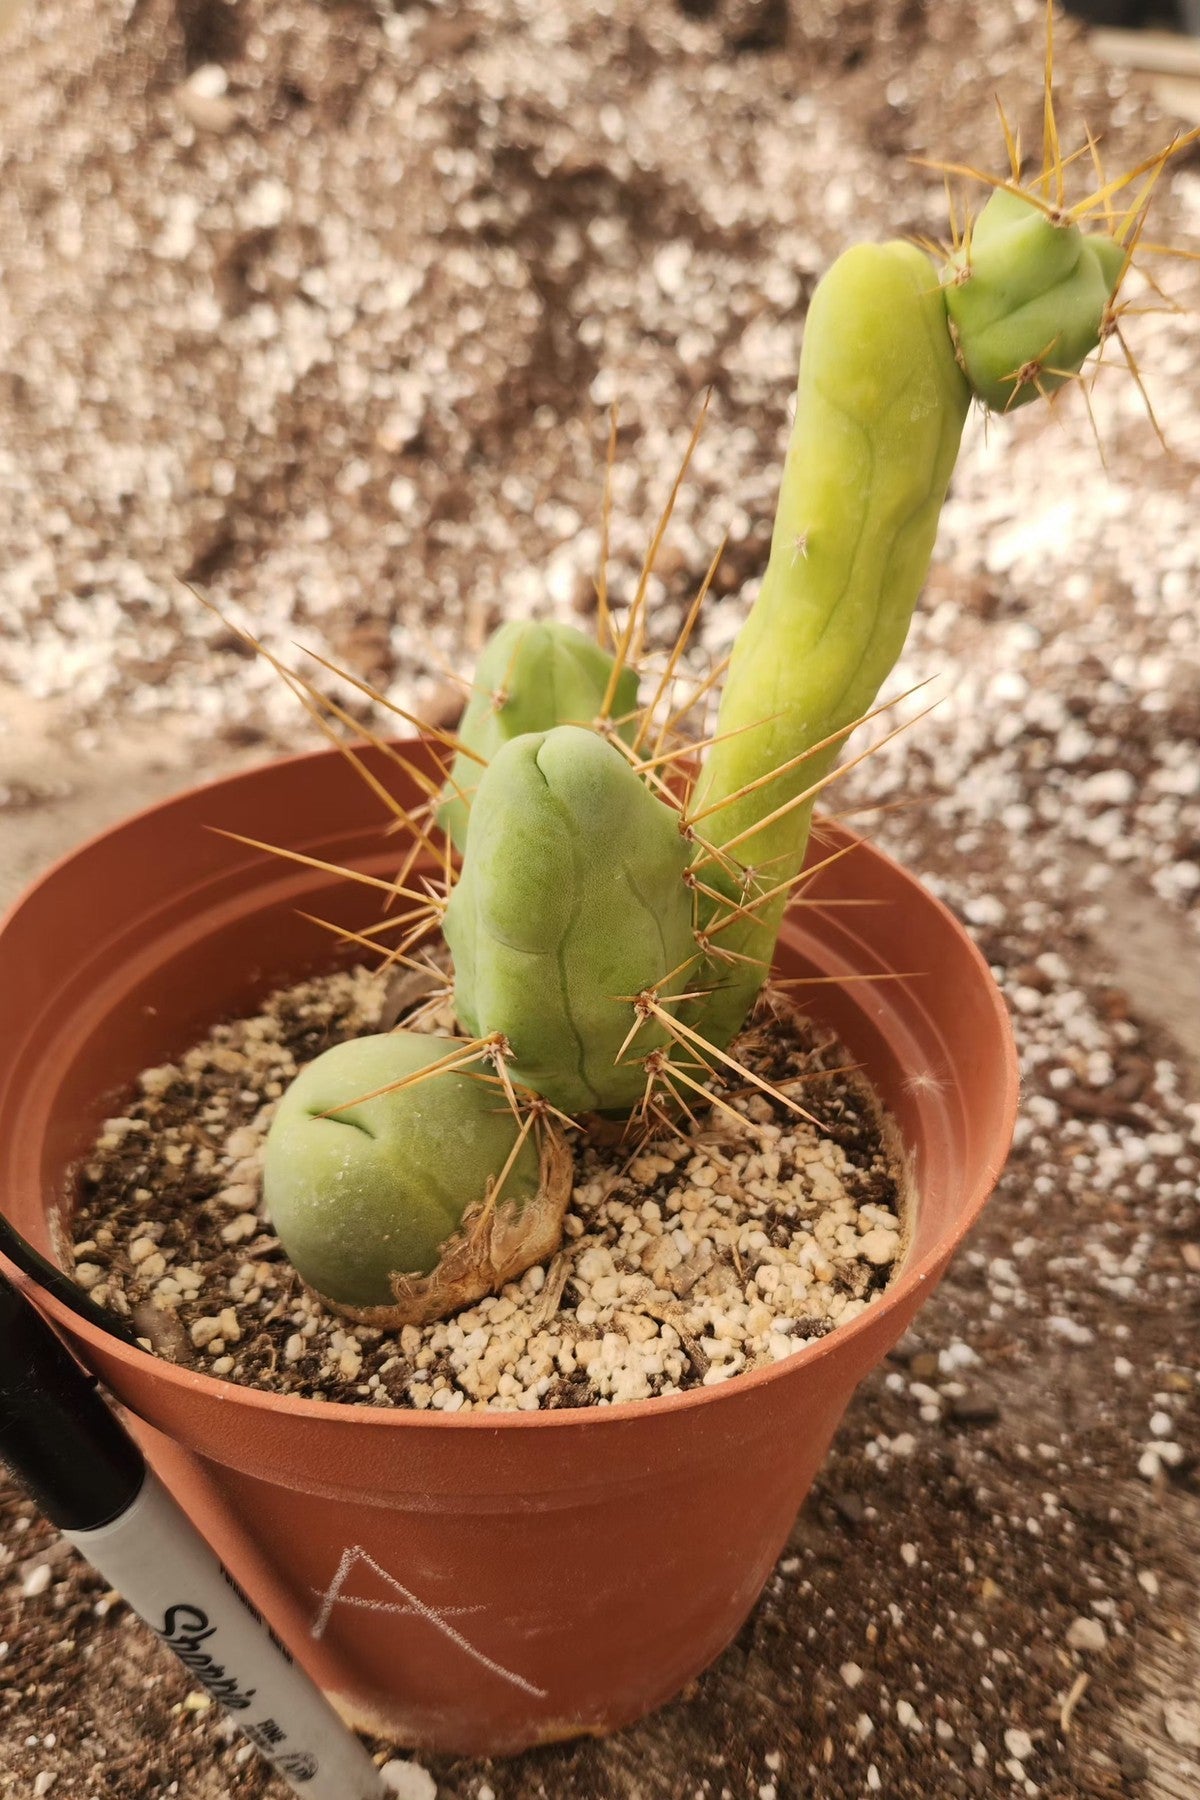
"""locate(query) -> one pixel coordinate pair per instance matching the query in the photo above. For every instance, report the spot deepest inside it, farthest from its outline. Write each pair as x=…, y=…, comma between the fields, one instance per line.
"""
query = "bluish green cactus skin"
x=530, y=676
x=1027, y=300
x=377, y=1188
x=879, y=413
x=571, y=896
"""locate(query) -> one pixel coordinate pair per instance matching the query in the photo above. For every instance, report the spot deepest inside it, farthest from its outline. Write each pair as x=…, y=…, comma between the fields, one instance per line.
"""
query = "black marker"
x=89, y=1478
x=21, y=1253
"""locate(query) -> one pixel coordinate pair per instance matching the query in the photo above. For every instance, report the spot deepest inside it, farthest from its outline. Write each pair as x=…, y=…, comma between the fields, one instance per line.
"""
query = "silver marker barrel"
x=155, y=1558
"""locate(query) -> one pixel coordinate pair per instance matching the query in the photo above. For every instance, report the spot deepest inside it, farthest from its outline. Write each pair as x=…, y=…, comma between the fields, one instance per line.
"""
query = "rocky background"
x=323, y=306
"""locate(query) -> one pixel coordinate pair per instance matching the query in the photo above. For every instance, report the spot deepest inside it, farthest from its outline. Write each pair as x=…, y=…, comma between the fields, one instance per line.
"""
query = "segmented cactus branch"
x=571, y=894
x=880, y=408
x=894, y=352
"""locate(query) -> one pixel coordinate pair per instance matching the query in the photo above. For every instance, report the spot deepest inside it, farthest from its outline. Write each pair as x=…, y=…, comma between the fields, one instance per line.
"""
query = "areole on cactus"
x=620, y=892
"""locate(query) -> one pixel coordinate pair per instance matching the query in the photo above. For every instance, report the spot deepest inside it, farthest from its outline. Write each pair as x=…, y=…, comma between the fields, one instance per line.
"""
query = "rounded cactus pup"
x=531, y=675
x=384, y=1196
x=1028, y=298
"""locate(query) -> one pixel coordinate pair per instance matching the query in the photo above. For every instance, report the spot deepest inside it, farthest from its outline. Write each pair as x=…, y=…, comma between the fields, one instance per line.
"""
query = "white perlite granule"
x=684, y=1262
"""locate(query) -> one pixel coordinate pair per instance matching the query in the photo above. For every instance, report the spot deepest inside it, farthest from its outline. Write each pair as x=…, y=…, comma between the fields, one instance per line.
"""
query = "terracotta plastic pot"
x=485, y=1582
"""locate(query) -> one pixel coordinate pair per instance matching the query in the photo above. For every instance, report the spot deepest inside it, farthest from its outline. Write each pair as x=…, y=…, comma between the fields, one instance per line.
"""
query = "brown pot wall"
x=505, y=1579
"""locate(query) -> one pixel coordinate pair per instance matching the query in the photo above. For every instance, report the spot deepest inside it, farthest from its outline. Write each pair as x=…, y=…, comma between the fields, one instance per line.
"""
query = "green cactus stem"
x=571, y=900
x=880, y=409
x=589, y=893
x=383, y=1196
x=893, y=353
x=530, y=676
x=1027, y=299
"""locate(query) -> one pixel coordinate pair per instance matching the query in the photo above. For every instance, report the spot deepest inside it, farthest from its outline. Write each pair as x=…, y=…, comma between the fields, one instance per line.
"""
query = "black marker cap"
x=57, y=1436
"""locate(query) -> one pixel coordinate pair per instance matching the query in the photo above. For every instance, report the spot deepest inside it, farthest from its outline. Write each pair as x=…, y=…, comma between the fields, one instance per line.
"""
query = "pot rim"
x=912, y=1279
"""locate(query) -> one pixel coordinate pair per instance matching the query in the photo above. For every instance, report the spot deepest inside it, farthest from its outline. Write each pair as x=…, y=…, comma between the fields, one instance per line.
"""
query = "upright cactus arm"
x=571, y=901
x=893, y=353
x=879, y=413
x=530, y=676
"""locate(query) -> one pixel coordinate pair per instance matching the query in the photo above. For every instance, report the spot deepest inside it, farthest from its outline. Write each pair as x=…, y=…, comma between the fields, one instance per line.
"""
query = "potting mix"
x=706, y=1252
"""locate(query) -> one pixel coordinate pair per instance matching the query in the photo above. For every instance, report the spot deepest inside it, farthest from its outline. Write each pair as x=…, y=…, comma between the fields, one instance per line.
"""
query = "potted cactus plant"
x=483, y=1583
x=615, y=909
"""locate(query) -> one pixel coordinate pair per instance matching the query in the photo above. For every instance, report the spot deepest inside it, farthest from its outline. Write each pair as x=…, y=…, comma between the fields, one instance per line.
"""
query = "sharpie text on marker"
x=184, y=1631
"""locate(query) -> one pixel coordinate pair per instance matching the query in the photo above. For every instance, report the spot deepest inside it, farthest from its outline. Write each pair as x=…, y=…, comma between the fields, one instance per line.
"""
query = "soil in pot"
x=721, y=1245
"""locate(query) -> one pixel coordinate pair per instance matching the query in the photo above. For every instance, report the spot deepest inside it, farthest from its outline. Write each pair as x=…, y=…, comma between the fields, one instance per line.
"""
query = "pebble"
x=36, y=1581
x=849, y=1507
x=241, y=1229
x=1087, y=1634
x=880, y=1247
x=1132, y=1761
x=1070, y=1330
x=408, y=1780
x=1018, y=1743
x=984, y=910
x=1182, y=1721
x=974, y=1408
x=851, y=1674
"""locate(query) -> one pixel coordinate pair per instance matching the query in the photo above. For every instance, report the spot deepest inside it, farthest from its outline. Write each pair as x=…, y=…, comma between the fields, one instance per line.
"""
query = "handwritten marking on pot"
x=334, y=1596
